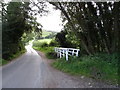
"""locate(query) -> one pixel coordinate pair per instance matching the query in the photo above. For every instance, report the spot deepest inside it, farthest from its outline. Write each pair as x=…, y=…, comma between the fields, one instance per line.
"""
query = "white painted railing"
x=65, y=52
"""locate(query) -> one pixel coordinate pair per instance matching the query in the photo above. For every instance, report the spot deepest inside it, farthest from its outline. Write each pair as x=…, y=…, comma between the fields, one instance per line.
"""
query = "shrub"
x=51, y=55
x=53, y=43
x=44, y=44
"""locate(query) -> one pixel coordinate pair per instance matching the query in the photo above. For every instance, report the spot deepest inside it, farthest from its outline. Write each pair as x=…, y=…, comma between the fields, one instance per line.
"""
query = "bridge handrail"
x=66, y=52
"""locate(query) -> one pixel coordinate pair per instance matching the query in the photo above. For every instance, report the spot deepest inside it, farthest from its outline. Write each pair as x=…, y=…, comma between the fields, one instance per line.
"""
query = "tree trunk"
x=115, y=39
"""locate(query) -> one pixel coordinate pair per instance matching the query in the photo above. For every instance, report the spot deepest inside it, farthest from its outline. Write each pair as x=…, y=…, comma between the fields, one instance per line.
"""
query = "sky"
x=51, y=22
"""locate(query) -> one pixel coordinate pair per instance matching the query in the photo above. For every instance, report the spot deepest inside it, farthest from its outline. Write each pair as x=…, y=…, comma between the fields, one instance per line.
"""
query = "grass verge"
x=49, y=51
x=3, y=61
x=100, y=66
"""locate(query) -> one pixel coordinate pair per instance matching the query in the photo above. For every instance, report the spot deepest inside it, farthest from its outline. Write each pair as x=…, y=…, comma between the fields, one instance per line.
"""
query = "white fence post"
x=77, y=52
x=60, y=54
x=73, y=52
x=63, y=53
x=66, y=54
x=57, y=53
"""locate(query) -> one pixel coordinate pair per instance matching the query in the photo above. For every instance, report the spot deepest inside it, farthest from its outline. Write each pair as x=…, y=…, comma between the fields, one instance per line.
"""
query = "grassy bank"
x=49, y=51
x=3, y=62
x=46, y=46
x=100, y=66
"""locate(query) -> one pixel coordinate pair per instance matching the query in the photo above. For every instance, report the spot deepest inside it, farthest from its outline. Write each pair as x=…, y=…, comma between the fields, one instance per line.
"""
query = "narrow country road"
x=31, y=71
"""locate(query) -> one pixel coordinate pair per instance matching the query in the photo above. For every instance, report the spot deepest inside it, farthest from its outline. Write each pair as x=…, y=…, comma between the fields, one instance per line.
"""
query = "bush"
x=53, y=43
x=51, y=55
x=44, y=44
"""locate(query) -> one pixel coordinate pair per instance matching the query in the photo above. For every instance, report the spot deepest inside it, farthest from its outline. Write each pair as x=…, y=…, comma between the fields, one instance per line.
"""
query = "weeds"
x=99, y=66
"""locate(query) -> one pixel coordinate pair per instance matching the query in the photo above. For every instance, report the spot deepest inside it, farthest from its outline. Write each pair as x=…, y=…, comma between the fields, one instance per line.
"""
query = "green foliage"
x=48, y=34
x=99, y=66
x=36, y=44
x=44, y=44
x=13, y=28
x=17, y=25
x=60, y=38
x=94, y=24
x=45, y=40
x=49, y=51
x=51, y=55
x=52, y=35
x=27, y=37
x=67, y=39
x=41, y=43
x=53, y=43
x=12, y=56
x=45, y=33
x=3, y=61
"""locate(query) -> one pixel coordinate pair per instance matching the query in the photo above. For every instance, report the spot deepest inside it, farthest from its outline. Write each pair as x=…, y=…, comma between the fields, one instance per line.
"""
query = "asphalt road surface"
x=32, y=70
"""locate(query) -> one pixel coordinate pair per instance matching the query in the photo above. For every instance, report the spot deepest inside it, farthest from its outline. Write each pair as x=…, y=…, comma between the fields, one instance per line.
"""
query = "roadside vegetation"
x=46, y=44
x=101, y=67
x=47, y=47
x=41, y=41
x=18, y=31
x=3, y=61
x=94, y=29
x=49, y=51
x=45, y=33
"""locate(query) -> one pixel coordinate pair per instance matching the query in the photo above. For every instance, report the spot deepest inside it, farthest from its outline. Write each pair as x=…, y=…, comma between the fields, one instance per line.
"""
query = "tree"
x=17, y=19
x=94, y=24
